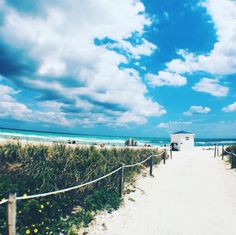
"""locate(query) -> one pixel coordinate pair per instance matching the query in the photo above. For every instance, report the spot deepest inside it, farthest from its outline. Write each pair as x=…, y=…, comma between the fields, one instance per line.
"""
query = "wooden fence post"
x=215, y=151
x=164, y=160
x=233, y=161
x=170, y=153
x=151, y=166
x=223, y=152
x=122, y=179
x=232, y=164
x=218, y=151
x=11, y=211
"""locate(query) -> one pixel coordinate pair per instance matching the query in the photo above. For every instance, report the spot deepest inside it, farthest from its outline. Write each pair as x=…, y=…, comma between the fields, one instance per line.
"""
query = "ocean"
x=101, y=139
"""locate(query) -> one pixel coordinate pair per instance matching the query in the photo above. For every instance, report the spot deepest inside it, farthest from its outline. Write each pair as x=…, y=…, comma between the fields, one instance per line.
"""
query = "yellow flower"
x=24, y=195
x=42, y=206
x=3, y=199
x=47, y=228
x=36, y=230
x=40, y=211
x=48, y=203
x=27, y=231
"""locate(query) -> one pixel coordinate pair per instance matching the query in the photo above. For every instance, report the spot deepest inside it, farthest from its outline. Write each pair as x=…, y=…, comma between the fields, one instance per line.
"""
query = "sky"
x=120, y=67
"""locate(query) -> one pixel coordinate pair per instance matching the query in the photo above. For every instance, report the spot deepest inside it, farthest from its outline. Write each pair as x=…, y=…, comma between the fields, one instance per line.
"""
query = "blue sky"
x=122, y=67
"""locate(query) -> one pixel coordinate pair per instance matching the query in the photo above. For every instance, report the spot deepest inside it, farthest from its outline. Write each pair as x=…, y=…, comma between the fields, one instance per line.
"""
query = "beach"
x=117, y=117
x=190, y=194
x=4, y=141
x=193, y=193
x=27, y=136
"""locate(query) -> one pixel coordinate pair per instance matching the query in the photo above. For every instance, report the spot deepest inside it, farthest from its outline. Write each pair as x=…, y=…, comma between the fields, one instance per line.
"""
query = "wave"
x=92, y=139
x=86, y=140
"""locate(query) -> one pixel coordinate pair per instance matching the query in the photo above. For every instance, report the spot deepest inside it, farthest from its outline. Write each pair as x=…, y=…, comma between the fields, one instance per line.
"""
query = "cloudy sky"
x=120, y=67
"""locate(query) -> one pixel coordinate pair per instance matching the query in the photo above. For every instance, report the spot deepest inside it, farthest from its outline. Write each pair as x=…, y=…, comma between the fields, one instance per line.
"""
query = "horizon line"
x=126, y=136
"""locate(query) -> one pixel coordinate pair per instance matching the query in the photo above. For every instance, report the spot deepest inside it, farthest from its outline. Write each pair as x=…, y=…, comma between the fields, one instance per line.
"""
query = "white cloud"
x=10, y=107
x=230, y=108
x=181, y=122
x=145, y=48
x=211, y=86
x=61, y=41
x=165, y=78
x=212, y=129
x=128, y=117
x=222, y=58
x=163, y=125
x=187, y=64
x=5, y=91
x=52, y=66
x=51, y=105
x=173, y=124
x=52, y=117
x=197, y=109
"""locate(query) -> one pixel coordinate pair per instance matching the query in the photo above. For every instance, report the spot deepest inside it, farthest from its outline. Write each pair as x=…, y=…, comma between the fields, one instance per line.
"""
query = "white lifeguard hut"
x=182, y=140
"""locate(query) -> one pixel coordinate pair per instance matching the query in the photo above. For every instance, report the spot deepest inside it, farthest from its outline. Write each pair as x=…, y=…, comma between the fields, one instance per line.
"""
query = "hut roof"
x=182, y=132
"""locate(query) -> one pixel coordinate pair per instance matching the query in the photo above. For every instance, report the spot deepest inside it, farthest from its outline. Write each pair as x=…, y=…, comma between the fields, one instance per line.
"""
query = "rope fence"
x=3, y=201
x=217, y=150
x=233, y=159
x=67, y=189
x=11, y=201
x=138, y=163
x=223, y=153
x=230, y=153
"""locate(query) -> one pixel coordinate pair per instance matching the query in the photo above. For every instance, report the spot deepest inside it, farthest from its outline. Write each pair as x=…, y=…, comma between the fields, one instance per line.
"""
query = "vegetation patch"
x=231, y=148
x=232, y=158
x=33, y=169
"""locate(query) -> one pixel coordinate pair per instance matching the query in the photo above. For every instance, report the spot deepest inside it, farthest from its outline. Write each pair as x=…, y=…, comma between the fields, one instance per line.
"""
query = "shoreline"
x=102, y=140
x=97, y=145
x=76, y=141
x=102, y=146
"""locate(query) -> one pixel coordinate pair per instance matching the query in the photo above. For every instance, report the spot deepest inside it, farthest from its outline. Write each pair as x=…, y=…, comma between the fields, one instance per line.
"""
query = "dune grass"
x=232, y=159
x=231, y=148
x=32, y=169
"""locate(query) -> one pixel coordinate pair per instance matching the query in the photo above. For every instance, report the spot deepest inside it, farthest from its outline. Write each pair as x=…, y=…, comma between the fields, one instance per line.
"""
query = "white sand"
x=98, y=146
x=193, y=194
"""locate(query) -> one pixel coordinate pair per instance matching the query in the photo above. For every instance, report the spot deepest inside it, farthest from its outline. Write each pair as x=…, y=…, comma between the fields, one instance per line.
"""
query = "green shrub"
x=32, y=169
x=231, y=148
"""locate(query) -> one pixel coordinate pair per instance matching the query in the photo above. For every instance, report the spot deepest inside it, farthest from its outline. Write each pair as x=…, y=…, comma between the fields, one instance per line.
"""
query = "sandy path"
x=193, y=193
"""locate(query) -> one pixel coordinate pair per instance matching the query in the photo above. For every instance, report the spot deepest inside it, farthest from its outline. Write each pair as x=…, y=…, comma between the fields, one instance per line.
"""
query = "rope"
x=158, y=154
x=81, y=185
x=67, y=189
x=139, y=163
x=230, y=153
x=3, y=201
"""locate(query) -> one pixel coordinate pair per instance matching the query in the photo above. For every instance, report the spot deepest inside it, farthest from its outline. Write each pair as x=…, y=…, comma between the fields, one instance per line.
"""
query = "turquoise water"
x=91, y=139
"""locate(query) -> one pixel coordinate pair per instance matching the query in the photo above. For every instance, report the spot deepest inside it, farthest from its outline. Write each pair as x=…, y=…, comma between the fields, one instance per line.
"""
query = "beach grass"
x=231, y=158
x=231, y=148
x=31, y=169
